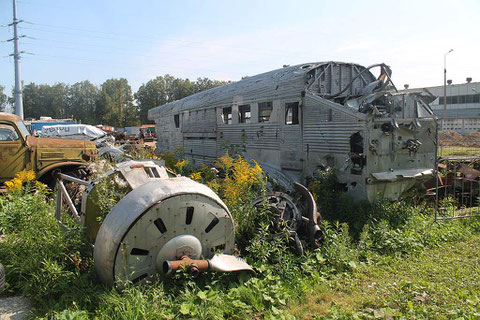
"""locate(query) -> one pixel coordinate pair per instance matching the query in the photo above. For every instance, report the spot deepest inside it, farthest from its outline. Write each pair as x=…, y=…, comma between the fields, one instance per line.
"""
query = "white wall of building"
x=463, y=106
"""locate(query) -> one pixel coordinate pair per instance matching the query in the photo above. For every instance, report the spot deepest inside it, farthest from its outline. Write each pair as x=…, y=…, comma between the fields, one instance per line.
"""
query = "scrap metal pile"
x=459, y=178
x=164, y=222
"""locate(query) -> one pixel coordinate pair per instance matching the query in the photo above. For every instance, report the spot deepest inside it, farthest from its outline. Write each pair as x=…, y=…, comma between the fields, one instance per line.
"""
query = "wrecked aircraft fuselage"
x=311, y=117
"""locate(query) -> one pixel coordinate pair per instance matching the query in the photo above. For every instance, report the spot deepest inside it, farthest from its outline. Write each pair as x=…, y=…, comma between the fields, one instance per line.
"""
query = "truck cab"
x=21, y=151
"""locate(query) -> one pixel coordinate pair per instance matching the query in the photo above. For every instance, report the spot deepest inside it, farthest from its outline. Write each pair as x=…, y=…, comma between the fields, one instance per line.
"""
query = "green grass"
x=439, y=283
x=449, y=151
x=381, y=259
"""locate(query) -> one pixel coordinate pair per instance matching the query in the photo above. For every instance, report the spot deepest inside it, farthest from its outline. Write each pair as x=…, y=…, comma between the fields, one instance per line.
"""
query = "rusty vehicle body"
x=307, y=117
x=21, y=151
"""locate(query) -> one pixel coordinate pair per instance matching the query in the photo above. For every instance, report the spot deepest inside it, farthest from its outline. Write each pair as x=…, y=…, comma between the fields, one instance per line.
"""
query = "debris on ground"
x=14, y=308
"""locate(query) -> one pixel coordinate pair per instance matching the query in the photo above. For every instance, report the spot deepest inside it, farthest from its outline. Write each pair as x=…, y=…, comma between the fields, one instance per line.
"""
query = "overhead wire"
x=167, y=53
x=132, y=53
x=147, y=39
x=90, y=37
x=62, y=59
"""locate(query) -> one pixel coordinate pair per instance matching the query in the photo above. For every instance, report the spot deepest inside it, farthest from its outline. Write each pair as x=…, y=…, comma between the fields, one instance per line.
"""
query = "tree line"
x=112, y=103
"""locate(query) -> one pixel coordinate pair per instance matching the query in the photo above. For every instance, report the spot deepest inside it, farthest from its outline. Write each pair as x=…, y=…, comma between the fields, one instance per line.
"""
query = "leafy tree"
x=166, y=89
x=177, y=88
x=203, y=84
x=45, y=100
x=150, y=95
x=3, y=99
x=82, y=100
x=116, y=106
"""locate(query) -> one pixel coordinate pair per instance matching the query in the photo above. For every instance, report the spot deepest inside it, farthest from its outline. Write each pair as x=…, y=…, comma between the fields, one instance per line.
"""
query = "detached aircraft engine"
x=162, y=222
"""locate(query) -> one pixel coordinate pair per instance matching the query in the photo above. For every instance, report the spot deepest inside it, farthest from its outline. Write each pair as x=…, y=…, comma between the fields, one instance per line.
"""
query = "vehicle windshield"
x=22, y=128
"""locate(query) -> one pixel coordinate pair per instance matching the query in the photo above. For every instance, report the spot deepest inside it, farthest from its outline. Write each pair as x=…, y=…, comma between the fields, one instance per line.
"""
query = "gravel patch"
x=14, y=308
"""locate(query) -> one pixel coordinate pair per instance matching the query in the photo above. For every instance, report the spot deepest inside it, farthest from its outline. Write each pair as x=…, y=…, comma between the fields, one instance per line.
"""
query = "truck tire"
x=2, y=278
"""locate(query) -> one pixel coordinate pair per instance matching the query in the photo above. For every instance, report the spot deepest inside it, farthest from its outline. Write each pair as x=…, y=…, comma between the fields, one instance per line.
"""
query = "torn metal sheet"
x=401, y=174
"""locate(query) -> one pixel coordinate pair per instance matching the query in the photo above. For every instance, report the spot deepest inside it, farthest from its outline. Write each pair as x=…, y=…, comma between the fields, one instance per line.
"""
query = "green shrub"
x=51, y=263
x=42, y=258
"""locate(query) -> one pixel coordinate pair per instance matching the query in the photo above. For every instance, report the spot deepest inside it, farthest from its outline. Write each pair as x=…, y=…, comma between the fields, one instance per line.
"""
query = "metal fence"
x=457, y=190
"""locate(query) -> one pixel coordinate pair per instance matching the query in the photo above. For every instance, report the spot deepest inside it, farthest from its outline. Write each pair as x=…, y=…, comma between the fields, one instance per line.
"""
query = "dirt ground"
x=14, y=308
x=453, y=138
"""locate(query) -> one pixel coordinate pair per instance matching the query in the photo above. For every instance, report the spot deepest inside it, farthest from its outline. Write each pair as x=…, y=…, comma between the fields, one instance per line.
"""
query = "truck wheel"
x=2, y=278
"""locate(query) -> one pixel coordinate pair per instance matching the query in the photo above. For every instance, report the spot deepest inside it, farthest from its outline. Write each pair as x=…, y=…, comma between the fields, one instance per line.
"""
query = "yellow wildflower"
x=13, y=185
x=197, y=176
x=225, y=161
x=17, y=182
x=25, y=175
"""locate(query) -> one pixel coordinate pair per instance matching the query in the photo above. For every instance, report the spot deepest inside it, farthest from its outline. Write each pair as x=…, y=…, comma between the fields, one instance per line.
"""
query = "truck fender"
x=44, y=176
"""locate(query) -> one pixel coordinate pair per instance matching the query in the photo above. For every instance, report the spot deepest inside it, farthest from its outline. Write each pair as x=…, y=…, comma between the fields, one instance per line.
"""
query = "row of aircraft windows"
x=264, y=113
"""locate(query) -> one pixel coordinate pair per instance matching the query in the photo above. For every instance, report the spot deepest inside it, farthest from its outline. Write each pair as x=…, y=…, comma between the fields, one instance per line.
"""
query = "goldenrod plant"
x=362, y=269
x=24, y=181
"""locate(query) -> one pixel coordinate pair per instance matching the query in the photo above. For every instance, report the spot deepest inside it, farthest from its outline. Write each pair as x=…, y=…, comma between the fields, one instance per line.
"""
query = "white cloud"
x=415, y=58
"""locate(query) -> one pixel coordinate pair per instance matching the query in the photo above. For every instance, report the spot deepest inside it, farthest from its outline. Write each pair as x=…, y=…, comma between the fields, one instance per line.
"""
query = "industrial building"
x=462, y=111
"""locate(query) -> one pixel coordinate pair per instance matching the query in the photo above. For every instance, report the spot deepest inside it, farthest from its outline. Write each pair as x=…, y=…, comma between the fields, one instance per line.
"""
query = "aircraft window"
x=7, y=133
x=176, y=118
x=291, y=113
x=264, y=111
x=227, y=115
x=244, y=113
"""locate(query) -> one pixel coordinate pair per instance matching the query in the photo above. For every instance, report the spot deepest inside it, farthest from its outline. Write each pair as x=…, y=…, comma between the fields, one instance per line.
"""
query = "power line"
x=88, y=61
x=137, y=38
x=174, y=18
x=118, y=51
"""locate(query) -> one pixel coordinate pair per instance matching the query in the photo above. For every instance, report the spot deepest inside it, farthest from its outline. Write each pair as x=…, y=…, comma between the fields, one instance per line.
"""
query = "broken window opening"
x=264, y=111
x=244, y=113
x=357, y=157
x=291, y=113
x=176, y=118
x=227, y=115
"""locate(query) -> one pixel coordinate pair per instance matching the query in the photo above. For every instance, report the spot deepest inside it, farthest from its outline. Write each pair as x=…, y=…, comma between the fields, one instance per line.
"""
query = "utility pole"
x=445, y=80
x=16, y=57
x=445, y=87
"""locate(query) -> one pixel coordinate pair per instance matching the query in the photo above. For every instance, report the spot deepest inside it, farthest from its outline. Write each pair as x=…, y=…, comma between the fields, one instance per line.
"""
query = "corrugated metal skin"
x=200, y=148
x=199, y=121
x=322, y=135
x=280, y=83
x=291, y=148
x=255, y=136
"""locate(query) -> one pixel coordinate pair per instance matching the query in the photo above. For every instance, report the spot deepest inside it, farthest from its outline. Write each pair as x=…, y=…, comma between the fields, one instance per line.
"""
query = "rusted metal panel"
x=24, y=151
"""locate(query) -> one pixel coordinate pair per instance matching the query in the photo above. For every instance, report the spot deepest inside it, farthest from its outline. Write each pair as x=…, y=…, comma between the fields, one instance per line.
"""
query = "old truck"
x=21, y=151
x=309, y=117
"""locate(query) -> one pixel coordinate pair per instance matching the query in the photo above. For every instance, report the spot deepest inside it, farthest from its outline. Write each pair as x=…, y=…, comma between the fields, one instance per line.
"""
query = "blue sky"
x=71, y=41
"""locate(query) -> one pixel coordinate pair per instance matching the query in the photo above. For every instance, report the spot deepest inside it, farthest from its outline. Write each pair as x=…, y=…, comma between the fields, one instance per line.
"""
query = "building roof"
x=441, y=86
x=467, y=113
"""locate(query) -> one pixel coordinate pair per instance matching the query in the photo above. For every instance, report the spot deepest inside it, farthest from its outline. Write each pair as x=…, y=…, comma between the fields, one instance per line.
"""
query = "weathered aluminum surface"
x=131, y=236
x=137, y=173
x=228, y=263
x=399, y=174
x=348, y=119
